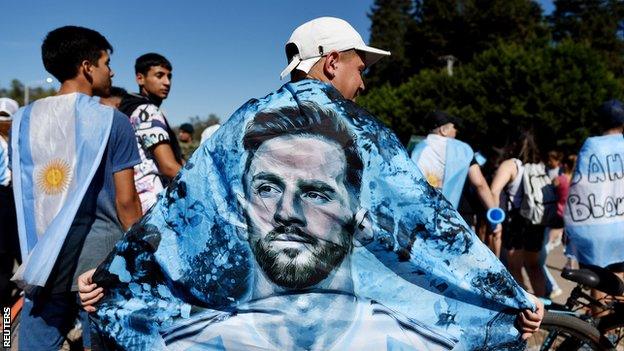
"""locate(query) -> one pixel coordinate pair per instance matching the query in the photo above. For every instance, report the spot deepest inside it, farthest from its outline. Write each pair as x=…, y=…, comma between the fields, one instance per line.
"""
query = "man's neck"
x=613, y=131
x=437, y=135
x=75, y=86
x=153, y=98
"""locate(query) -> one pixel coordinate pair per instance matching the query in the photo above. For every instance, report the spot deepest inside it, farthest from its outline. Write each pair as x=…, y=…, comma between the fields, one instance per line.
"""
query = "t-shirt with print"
x=151, y=128
x=96, y=227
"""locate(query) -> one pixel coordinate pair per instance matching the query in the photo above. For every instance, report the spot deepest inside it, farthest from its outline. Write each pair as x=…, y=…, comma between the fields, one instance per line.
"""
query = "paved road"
x=555, y=262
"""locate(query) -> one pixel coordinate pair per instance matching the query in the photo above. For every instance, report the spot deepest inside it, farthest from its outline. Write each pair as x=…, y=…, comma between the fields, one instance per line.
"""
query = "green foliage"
x=419, y=33
x=463, y=28
x=599, y=23
x=16, y=92
x=391, y=20
x=554, y=88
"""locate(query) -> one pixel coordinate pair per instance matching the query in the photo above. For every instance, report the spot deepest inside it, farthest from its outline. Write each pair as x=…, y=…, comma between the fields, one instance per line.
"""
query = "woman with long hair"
x=522, y=241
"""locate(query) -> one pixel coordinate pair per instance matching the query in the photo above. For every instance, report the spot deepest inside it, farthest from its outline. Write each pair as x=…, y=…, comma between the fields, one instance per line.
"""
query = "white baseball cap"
x=8, y=106
x=320, y=36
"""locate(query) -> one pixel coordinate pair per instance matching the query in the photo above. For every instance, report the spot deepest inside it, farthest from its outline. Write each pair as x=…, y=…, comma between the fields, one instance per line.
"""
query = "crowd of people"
x=522, y=244
x=123, y=155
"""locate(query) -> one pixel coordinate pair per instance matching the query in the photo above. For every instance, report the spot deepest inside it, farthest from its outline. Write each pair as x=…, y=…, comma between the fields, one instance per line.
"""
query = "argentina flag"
x=302, y=224
x=457, y=156
x=594, y=215
x=57, y=144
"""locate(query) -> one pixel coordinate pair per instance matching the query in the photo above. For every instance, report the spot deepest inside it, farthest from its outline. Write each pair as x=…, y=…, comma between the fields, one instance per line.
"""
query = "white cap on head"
x=8, y=106
x=320, y=36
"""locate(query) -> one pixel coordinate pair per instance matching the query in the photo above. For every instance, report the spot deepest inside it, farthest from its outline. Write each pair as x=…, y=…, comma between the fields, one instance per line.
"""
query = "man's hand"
x=88, y=291
x=528, y=321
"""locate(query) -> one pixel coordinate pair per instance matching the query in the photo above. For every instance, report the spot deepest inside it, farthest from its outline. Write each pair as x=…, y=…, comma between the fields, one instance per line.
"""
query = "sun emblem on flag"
x=54, y=177
x=433, y=180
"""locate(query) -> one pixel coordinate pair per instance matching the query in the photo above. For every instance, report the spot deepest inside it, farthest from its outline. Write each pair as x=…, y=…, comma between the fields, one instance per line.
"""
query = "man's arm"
x=127, y=201
x=480, y=184
x=167, y=164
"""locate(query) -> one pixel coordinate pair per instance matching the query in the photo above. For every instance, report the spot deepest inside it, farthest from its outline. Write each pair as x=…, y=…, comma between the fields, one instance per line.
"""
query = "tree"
x=16, y=92
x=463, y=28
x=420, y=33
x=599, y=23
x=555, y=89
x=390, y=23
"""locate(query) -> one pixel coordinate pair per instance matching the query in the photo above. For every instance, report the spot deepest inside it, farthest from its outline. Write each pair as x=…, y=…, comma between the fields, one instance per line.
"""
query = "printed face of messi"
x=299, y=209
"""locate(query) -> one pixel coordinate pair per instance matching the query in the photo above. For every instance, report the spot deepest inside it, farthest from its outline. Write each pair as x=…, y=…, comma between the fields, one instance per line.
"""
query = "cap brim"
x=371, y=54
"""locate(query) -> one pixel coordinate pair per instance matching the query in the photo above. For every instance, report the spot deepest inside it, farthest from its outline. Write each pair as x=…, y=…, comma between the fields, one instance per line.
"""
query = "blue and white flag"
x=57, y=144
x=302, y=224
x=594, y=215
x=5, y=172
x=444, y=163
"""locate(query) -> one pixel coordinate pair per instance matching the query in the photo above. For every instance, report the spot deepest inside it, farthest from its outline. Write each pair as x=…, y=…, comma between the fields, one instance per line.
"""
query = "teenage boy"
x=161, y=158
x=73, y=162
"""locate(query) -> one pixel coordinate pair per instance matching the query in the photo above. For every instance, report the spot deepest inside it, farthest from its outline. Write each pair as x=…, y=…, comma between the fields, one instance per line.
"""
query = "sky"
x=223, y=53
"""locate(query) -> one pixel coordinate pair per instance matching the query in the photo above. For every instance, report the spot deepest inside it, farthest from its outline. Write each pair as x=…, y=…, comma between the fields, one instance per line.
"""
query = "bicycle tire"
x=561, y=331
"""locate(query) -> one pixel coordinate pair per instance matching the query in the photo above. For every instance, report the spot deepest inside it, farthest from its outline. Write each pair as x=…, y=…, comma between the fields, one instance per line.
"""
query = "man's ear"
x=331, y=64
x=86, y=69
x=140, y=79
x=443, y=130
x=363, y=228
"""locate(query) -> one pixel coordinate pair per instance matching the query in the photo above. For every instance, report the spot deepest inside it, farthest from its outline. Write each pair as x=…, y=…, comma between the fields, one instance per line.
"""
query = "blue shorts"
x=45, y=320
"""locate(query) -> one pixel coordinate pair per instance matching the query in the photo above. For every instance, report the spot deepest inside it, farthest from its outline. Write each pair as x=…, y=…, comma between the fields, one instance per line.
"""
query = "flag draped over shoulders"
x=57, y=144
x=454, y=156
x=193, y=274
x=594, y=213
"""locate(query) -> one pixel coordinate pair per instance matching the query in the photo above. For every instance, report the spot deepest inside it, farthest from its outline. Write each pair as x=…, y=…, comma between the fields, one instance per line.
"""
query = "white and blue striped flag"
x=457, y=158
x=57, y=144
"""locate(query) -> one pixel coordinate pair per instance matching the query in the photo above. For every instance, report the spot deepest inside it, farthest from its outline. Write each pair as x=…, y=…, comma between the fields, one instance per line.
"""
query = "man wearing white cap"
x=9, y=245
x=330, y=50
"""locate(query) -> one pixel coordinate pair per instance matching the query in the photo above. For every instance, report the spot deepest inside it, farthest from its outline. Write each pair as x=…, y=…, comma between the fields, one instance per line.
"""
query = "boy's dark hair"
x=118, y=92
x=611, y=114
x=144, y=62
x=64, y=48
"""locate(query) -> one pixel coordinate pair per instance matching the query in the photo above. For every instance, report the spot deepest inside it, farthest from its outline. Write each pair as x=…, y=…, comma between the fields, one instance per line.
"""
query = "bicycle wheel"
x=565, y=332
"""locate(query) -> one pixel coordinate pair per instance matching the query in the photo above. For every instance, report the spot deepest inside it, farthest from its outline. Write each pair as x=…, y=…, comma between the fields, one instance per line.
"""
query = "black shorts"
x=520, y=234
x=558, y=223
